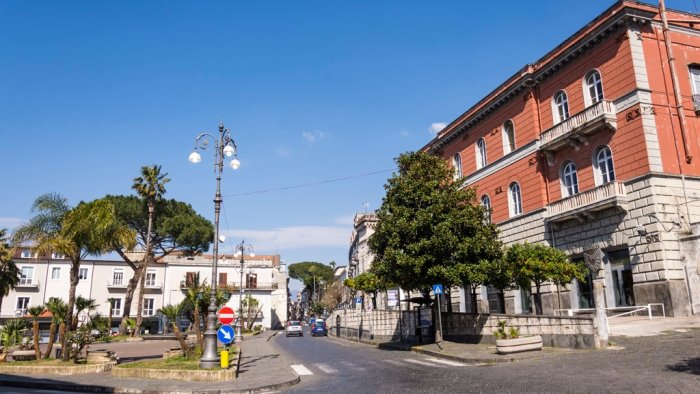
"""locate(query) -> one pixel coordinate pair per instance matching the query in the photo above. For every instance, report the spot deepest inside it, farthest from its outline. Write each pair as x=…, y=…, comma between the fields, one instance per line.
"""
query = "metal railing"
x=600, y=109
x=600, y=193
x=28, y=282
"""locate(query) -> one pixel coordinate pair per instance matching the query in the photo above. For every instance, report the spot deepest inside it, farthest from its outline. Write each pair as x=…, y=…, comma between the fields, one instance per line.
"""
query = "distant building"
x=263, y=277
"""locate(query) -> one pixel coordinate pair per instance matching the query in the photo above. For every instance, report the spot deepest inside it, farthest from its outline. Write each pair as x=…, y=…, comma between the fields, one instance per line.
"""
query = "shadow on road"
x=691, y=366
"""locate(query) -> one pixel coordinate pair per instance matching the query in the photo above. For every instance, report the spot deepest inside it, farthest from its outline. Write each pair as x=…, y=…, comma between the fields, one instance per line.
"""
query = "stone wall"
x=383, y=326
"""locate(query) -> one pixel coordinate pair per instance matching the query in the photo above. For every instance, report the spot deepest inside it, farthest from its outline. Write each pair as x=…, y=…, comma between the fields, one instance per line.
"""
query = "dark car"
x=319, y=328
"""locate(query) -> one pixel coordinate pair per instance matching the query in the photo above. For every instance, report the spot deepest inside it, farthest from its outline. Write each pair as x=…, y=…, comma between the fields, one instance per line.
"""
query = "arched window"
x=486, y=203
x=515, y=201
x=603, y=166
x=508, y=137
x=457, y=165
x=569, y=179
x=560, y=107
x=593, y=88
x=480, y=153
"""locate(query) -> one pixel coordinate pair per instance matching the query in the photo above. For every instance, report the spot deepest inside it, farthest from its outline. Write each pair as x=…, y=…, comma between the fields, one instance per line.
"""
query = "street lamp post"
x=240, y=251
x=223, y=145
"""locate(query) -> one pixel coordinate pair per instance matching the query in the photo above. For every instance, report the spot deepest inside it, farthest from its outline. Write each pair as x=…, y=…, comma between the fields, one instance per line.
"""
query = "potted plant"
x=508, y=340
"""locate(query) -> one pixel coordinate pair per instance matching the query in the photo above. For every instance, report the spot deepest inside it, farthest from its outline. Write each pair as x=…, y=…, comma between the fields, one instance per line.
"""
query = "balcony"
x=27, y=284
x=158, y=286
x=117, y=284
x=582, y=206
x=573, y=131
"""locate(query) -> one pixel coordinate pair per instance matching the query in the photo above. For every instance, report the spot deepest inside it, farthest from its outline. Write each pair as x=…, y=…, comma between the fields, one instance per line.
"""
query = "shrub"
x=505, y=332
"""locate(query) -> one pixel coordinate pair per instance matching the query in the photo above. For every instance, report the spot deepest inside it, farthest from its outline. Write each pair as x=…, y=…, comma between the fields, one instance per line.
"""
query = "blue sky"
x=312, y=91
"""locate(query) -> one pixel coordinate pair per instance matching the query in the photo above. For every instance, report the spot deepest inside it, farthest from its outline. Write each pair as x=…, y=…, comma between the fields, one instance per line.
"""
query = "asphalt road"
x=669, y=363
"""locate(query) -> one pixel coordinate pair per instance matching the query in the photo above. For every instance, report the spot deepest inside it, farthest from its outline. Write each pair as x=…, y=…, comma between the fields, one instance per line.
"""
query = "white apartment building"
x=264, y=277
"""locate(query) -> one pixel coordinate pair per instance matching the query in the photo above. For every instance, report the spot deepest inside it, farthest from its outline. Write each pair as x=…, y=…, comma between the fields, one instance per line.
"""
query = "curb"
x=82, y=388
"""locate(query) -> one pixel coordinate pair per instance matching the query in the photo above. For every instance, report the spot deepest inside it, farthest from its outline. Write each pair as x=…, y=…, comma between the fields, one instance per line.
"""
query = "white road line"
x=326, y=368
x=352, y=366
x=394, y=362
x=410, y=360
x=447, y=362
x=301, y=370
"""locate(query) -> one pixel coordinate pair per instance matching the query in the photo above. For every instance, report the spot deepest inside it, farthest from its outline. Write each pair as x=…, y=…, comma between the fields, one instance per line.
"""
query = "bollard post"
x=224, y=359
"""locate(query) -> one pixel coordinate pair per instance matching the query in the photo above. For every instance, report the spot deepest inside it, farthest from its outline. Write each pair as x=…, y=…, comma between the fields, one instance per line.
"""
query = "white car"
x=294, y=327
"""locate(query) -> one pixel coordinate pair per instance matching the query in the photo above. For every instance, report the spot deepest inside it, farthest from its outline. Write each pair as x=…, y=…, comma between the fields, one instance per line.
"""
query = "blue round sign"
x=226, y=334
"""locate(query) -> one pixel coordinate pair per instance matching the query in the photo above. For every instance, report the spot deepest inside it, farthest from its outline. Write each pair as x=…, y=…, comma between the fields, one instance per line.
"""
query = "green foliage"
x=505, y=332
x=151, y=184
x=431, y=228
x=76, y=341
x=306, y=271
x=12, y=332
x=368, y=282
x=9, y=272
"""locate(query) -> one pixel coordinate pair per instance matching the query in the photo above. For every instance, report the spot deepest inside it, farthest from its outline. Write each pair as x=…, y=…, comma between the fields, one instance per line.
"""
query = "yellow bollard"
x=224, y=359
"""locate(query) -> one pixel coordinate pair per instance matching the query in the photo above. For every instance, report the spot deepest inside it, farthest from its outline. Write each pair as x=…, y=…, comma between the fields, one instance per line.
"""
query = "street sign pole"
x=438, y=290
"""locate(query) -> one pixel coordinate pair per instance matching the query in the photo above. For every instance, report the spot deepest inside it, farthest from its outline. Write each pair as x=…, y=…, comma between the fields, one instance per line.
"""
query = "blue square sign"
x=437, y=289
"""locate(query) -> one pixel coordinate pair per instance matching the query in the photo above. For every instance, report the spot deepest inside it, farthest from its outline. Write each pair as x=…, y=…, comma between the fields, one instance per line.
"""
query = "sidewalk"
x=260, y=369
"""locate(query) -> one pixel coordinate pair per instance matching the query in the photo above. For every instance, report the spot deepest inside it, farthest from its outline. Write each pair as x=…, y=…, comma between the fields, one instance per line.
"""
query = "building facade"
x=42, y=277
x=593, y=149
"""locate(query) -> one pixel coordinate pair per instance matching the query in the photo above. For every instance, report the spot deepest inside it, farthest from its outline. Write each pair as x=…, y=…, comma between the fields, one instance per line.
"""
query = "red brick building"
x=588, y=150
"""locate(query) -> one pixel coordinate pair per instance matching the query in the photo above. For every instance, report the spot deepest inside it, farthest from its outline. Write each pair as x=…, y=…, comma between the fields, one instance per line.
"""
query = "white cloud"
x=313, y=136
x=436, y=127
x=10, y=223
x=296, y=237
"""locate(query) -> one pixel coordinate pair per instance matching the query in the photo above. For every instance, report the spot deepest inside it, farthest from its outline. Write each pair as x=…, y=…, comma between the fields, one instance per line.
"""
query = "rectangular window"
x=118, y=277
x=251, y=281
x=21, y=306
x=27, y=254
x=151, y=278
x=189, y=278
x=223, y=279
x=26, y=275
x=56, y=273
x=117, y=307
x=83, y=274
x=148, y=304
x=58, y=256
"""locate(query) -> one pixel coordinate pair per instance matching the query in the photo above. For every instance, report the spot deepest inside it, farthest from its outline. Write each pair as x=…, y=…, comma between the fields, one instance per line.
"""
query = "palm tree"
x=58, y=310
x=150, y=186
x=83, y=304
x=9, y=272
x=35, y=312
x=89, y=228
x=193, y=295
x=171, y=312
x=111, y=301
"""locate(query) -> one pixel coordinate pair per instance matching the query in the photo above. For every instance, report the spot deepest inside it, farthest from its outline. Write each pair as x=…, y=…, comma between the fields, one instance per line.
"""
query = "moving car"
x=319, y=328
x=294, y=327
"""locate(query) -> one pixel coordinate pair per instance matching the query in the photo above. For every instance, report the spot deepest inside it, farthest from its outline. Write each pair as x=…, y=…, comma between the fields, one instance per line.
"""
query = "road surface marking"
x=301, y=370
x=410, y=360
x=352, y=366
x=326, y=368
x=394, y=362
x=447, y=362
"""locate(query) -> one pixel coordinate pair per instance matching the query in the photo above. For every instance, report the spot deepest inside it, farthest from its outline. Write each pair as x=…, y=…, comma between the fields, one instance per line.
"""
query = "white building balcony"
x=157, y=286
x=582, y=206
x=27, y=284
x=117, y=284
x=573, y=131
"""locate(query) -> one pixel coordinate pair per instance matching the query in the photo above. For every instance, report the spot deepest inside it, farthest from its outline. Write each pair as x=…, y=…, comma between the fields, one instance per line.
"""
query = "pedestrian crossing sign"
x=437, y=289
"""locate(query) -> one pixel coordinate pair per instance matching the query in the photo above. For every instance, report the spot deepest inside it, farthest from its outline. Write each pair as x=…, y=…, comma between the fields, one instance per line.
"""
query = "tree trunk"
x=62, y=335
x=538, y=300
x=197, y=330
x=129, y=298
x=35, y=331
x=183, y=345
x=109, y=321
x=146, y=260
x=502, y=301
x=52, y=337
x=74, y=271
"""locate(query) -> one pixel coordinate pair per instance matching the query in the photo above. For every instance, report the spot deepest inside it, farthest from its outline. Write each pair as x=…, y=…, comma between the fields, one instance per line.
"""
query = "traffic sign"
x=437, y=289
x=225, y=315
x=226, y=334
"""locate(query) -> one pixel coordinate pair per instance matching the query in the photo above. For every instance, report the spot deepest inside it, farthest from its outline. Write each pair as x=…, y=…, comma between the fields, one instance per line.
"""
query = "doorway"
x=621, y=277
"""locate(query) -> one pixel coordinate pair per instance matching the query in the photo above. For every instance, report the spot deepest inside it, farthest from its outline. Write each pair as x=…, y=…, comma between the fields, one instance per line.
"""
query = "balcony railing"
x=27, y=283
x=119, y=284
x=153, y=285
x=583, y=205
x=573, y=130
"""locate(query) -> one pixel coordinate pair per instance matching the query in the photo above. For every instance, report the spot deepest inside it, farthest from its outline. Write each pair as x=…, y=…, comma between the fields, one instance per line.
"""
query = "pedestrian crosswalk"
x=340, y=366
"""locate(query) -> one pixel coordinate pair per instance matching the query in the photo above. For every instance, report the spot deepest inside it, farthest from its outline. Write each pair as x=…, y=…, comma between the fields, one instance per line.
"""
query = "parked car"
x=319, y=328
x=294, y=327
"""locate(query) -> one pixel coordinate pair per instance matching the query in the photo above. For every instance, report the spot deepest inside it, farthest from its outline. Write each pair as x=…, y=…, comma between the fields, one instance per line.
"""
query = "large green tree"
x=9, y=272
x=177, y=228
x=538, y=263
x=58, y=309
x=311, y=274
x=430, y=228
x=88, y=229
x=150, y=186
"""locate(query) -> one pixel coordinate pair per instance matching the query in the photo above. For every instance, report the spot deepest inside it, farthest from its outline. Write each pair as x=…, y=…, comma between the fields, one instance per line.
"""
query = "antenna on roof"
x=365, y=205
